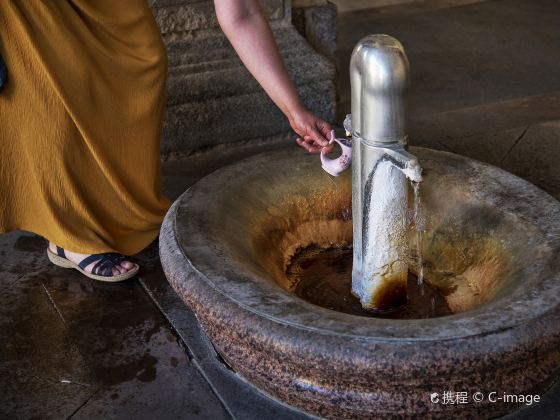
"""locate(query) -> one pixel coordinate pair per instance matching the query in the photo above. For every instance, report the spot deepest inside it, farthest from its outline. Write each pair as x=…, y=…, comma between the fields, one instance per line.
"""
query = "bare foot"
x=76, y=258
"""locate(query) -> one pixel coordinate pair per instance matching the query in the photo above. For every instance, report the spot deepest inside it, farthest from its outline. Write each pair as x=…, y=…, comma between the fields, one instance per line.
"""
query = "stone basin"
x=491, y=247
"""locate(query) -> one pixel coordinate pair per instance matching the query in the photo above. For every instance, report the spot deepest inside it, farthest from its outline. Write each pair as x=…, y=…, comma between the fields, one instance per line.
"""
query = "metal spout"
x=406, y=162
x=381, y=164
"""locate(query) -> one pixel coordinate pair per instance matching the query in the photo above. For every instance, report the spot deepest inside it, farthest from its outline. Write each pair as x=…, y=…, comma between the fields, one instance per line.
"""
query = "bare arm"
x=247, y=29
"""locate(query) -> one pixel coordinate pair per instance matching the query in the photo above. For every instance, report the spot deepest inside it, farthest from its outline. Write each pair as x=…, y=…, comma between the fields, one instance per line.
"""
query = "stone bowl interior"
x=475, y=248
x=491, y=240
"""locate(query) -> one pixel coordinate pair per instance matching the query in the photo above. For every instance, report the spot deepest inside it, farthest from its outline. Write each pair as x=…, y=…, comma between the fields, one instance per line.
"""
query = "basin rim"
x=186, y=219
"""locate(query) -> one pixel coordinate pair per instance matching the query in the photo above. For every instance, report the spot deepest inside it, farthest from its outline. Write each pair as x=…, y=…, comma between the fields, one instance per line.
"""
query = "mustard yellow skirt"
x=80, y=123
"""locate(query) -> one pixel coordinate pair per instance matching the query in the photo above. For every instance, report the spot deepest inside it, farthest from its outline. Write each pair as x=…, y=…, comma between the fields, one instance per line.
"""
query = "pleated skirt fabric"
x=80, y=123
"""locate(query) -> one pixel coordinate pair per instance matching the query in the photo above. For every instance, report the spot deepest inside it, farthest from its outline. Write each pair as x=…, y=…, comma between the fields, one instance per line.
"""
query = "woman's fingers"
x=314, y=145
x=327, y=149
x=316, y=133
x=325, y=128
x=318, y=137
x=302, y=143
x=321, y=131
x=310, y=145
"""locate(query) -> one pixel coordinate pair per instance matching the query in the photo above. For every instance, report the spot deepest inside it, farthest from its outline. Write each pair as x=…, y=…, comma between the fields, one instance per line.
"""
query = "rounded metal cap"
x=379, y=80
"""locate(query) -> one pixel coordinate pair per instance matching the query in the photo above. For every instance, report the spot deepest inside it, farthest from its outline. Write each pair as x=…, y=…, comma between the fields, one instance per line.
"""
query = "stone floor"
x=485, y=85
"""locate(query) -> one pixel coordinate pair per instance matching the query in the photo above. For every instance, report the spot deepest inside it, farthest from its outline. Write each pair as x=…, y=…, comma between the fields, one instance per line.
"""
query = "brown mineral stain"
x=466, y=260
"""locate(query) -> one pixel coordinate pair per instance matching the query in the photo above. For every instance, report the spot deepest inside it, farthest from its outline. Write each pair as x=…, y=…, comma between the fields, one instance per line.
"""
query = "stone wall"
x=212, y=99
x=316, y=22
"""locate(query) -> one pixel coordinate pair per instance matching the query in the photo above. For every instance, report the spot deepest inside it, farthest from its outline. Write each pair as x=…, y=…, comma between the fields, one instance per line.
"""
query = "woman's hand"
x=313, y=131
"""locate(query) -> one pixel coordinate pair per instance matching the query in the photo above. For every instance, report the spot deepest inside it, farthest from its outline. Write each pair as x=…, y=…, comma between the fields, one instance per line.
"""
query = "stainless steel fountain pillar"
x=379, y=79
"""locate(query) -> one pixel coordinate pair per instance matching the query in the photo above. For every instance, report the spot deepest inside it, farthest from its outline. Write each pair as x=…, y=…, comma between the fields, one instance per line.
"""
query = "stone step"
x=175, y=16
x=211, y=46
x=197, y=73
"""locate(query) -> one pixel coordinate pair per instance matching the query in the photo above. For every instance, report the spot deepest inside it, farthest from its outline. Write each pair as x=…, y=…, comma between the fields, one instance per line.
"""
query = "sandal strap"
x=104, y=267
x=108, y=261
x=105, y=262
x=60, y=252
x=88, y=260
x=97, y=266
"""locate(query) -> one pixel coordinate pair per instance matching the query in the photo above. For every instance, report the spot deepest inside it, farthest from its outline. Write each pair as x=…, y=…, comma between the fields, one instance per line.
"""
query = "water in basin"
x=323, y=277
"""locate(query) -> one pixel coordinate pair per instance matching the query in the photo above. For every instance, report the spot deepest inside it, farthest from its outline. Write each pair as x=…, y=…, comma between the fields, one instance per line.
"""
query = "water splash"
x=420, y=228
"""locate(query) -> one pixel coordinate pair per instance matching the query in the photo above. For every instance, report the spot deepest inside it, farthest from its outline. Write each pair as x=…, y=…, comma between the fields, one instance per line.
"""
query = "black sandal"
x=101, y=271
